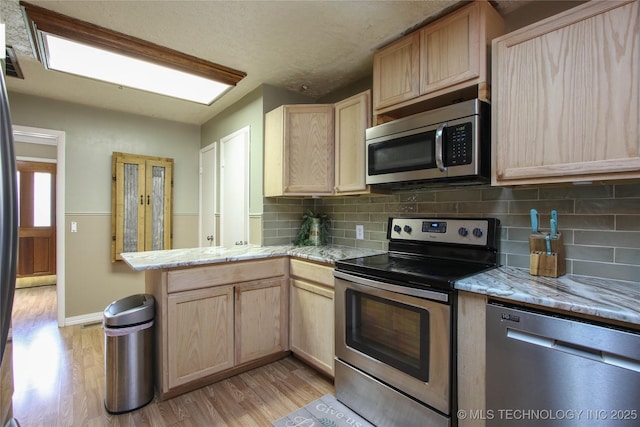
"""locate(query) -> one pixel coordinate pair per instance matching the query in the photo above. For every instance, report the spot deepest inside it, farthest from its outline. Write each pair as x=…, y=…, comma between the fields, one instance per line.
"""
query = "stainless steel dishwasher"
x=546, y=370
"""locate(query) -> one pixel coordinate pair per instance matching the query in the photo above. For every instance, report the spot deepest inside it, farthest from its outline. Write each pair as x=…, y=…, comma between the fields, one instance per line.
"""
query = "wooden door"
x=352, y=118
x=37, y=227
x=261, y=313
x=450, y=50
x=308, y=153
x=566, y=97
x=396, y=72
x=200, y=333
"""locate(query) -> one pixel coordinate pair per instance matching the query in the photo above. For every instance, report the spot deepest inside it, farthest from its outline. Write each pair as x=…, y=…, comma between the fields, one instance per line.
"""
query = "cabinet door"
x=353, y=117
x=200, y=333
x=128, y=205
x=396, y=72
x=565, y=101
x=142, y=200
x=261, y=319
x=308, y=149
x=312, y=324
x=158, y=185
x=450, y=50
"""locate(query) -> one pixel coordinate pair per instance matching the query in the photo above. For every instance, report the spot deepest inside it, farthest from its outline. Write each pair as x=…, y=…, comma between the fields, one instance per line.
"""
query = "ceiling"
x=311, y=47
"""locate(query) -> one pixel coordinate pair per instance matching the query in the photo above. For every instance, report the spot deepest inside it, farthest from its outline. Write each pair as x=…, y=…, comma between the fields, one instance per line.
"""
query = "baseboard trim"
x=85, y=318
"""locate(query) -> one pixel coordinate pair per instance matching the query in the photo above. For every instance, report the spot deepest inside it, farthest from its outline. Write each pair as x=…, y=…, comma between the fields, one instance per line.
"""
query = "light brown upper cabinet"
x=317, y=149
x=298, y=150
x=352, y=118
x=565, y=97
x=141, y=203
x=442, y=58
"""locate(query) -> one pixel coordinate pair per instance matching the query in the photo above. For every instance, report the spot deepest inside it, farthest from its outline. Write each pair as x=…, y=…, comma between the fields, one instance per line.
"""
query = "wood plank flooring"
x=59, y=380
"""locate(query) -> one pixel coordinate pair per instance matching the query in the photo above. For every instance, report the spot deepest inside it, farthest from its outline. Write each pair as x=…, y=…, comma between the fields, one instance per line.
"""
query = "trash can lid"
x=129, y=311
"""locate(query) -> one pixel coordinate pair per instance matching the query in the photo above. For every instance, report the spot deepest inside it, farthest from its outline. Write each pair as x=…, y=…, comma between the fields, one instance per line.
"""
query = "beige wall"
x=91, y=135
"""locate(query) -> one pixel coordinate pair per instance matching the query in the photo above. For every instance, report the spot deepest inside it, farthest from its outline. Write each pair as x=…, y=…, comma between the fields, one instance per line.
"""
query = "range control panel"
x=443, y=230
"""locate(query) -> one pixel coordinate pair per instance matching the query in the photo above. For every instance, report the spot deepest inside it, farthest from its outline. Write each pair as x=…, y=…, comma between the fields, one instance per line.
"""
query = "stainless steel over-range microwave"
x=448, y=144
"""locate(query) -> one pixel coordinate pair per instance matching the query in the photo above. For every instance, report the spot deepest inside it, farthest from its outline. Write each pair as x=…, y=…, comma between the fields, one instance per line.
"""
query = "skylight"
x=73, y=46
x=88, y=61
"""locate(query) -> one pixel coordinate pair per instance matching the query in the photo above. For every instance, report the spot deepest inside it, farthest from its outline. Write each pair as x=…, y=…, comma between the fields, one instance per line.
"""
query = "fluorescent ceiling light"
x=73, y=46
x=84, y=60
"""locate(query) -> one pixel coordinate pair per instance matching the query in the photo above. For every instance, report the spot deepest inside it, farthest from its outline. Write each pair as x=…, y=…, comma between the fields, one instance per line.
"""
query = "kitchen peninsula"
x=222, y=311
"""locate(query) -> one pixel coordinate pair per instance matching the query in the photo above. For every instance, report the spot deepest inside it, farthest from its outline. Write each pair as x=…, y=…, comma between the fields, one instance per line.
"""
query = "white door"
x=234, y=188
x=207, y=231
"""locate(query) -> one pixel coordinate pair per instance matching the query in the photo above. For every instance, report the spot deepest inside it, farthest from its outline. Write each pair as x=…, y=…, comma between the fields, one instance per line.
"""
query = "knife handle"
x=534, y=220
x=554, y=228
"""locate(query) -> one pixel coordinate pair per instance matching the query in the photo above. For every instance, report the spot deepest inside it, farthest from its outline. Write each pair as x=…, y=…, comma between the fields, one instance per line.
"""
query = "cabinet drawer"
x=313, y=272
x=225, y=273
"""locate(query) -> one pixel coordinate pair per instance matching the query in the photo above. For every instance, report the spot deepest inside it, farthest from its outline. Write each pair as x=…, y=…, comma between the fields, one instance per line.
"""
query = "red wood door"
x=37, y=228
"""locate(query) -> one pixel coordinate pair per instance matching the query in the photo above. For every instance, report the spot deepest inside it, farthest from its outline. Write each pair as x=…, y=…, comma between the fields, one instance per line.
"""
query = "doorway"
x=207, y=233
x=234, y=188
x=37, y=223
x=55, y=139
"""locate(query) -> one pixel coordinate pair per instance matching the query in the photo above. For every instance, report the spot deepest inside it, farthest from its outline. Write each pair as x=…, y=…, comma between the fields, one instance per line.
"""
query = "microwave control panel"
x=459, y=147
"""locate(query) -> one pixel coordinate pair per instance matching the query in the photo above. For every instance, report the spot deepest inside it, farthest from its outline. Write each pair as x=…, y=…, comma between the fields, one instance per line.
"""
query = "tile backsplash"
x=600, y=223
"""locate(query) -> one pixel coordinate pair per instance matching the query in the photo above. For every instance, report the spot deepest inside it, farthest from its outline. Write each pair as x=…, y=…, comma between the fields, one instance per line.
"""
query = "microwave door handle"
x=439, y=148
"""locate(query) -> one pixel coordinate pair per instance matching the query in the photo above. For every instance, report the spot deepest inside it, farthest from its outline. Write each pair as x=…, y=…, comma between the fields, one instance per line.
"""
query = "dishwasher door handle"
x=575, y=349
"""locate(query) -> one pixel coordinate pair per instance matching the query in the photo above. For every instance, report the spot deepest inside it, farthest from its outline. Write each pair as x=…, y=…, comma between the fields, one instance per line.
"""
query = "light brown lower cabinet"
x=200, y=332
x=312, y=313
x=261, y=319
x=217, y=320
x=472, y=333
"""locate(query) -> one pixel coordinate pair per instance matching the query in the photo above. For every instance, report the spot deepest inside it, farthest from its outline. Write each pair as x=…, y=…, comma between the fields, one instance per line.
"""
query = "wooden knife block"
x=543, y=264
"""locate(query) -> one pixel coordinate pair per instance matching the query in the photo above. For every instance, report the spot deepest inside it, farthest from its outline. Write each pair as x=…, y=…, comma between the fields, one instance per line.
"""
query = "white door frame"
x=209, y=147
x=246, y=131
x=52, y=137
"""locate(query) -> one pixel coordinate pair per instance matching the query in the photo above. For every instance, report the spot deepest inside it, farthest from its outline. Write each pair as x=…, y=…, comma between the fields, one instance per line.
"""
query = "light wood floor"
x=59, y=380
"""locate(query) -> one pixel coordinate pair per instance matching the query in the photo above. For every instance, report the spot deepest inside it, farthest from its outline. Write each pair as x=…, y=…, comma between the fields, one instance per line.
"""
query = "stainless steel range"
x=395, y=319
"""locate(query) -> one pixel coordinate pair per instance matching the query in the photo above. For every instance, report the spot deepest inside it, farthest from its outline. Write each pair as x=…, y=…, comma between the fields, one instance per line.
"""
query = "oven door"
x=402, y=340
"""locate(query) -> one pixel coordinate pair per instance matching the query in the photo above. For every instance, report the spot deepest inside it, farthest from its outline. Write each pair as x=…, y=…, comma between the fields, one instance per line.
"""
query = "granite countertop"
x=605, y=298
x=175, y=258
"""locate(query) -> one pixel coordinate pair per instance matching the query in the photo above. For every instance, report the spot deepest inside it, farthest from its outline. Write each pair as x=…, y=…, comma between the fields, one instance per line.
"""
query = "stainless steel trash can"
x=128, y=347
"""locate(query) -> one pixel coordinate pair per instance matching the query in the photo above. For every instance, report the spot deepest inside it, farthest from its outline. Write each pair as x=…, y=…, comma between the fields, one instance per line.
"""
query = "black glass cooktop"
x=413, y=270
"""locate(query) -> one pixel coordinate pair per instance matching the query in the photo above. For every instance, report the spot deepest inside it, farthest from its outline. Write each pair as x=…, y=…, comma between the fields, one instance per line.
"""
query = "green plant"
x=303, y=236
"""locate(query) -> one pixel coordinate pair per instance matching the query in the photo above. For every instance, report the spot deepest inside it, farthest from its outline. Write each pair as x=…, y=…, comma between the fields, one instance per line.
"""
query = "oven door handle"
x=439, y=148
x=416, y=292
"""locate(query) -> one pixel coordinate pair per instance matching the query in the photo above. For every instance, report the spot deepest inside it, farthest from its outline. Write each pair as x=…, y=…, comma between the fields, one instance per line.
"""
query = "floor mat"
x=324, y=412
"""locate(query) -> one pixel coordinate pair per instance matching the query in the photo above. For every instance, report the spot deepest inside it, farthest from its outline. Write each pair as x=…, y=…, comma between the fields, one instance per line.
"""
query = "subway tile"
x=458, y=196
x=400, y=208
x=605, y=270
x=561, y=206
x=370, y=207
x=627, y=190
x=518, y=261
x=512, y=247
x=576, y=192
x=369, y=244
x=627, y=256
x=500, y=193
x=437, y=208
x=344, y=242
x=377, y=235
x=357, y=217
x=517, y=234
x=588, y=222
x=628, y=222
x=493, y=206
x=620, y=239
x=416, y=196
x=610, y=206
x=589, y=253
